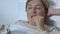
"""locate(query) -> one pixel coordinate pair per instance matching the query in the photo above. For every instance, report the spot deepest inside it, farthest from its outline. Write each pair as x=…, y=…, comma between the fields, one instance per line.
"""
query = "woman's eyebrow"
x=38, y=5
x=29, y=4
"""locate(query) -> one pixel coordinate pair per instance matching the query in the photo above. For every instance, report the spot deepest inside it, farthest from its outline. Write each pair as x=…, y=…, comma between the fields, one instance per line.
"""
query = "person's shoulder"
x=24, y=23
x=21, y=22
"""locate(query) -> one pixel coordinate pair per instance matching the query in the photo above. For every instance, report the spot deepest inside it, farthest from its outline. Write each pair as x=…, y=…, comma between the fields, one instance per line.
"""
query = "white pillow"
x=21, y=29
x=56, y=20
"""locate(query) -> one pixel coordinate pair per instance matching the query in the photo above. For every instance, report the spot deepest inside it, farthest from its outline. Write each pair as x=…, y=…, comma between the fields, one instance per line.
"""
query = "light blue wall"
x=57, y=2
x=12, y=10
x=8, y=11
x=22, y=10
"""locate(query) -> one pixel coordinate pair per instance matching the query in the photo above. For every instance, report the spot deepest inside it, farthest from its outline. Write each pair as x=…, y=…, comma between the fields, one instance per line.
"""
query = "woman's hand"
x=39, y=20
x=2, y=27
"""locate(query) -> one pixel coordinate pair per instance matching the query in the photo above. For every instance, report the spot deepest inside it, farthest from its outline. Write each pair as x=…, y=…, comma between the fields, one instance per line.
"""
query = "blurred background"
x=12, y=10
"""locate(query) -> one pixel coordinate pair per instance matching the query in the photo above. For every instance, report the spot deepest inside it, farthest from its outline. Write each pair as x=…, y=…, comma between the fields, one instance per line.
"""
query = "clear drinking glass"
x=5, y=30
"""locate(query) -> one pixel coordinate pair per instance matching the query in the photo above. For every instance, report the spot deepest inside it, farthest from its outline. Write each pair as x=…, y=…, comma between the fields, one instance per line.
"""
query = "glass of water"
x=5, y=30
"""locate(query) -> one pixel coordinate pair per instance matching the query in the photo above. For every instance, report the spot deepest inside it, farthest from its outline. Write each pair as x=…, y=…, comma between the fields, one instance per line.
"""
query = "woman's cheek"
x=41, y=13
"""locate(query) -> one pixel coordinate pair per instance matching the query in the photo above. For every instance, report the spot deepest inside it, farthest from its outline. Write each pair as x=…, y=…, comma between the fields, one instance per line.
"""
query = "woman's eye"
x=38, y=8
x=30, y=8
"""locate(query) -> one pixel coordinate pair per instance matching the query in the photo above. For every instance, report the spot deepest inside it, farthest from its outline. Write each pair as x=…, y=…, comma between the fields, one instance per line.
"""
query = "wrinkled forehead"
x=35, y=2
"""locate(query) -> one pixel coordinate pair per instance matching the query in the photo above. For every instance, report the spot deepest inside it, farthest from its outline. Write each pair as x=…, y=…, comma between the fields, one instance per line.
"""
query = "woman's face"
x=34, y=8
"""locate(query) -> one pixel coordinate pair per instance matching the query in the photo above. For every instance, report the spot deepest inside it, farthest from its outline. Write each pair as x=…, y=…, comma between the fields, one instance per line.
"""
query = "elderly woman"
x=37, y=12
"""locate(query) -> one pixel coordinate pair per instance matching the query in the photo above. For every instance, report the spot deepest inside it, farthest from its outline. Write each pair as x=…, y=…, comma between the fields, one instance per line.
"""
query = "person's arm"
x=53, y=11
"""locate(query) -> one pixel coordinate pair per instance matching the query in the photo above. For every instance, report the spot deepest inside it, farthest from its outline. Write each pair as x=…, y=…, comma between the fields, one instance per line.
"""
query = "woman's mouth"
x=33, y=16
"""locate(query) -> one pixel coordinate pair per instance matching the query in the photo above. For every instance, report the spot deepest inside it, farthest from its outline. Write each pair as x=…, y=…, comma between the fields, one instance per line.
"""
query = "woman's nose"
x=33, y=11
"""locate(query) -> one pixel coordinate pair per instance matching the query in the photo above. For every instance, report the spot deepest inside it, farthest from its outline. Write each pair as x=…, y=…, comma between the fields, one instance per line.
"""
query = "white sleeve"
x=44, y=32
